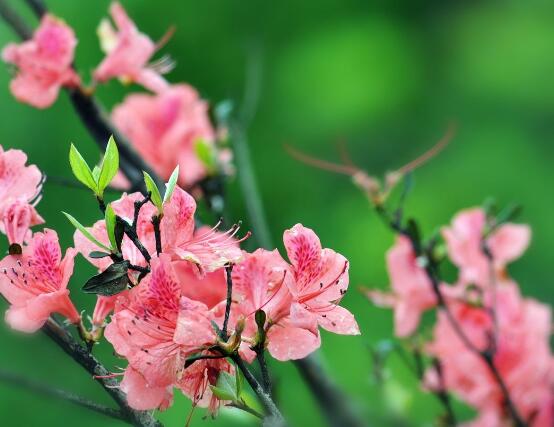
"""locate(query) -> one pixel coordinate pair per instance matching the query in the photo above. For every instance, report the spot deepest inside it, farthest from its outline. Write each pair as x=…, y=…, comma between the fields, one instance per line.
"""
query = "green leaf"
x=152, y=188
x=111, y=281
x=85, y=232
x=110, y=226
x=170, y=186
x=206, y=153
x=119, y=232
x=109, y=166
x=81, y=170
x=226, y=387
x=98, y=254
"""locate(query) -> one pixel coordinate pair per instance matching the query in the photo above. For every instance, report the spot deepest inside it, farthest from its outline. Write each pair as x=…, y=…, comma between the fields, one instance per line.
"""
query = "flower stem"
x=277, y=419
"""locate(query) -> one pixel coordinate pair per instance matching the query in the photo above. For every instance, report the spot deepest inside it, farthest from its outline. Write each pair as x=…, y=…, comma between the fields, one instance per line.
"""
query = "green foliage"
x=81, y=169
x=111, y=281
x=110, y=226
x=228, y=387
x=108, y=167
x=170, y=186
x=155, y=195
x=100, y=177
x=85, y=232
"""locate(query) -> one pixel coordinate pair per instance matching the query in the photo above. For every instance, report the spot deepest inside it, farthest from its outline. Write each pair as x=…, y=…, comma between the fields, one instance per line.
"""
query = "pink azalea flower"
x=44, y=63
x=156, y=328
x=18, y=182
x=261, y=282
x=464, y=238
x=164, y=129
x=128, y=52
x=18, y=218
x=320, y=281
x=209, y=290
x=412, y=293
x=35, y=283
x=523, y=357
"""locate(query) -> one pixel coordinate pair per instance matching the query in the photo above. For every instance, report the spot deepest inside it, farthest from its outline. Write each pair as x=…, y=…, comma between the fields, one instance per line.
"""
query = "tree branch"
x=46, y=390
x=80, y=355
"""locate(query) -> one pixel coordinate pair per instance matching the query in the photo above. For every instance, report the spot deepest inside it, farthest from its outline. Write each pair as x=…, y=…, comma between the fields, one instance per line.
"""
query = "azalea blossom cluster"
x=168, y=125
x=175, y=300
x=483, y=321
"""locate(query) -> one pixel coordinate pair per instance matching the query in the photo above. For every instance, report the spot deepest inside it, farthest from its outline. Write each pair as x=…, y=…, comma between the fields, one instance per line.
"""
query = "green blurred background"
x=386, y=76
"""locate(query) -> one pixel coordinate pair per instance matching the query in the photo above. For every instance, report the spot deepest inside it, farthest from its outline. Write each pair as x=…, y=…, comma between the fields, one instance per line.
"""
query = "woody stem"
x=228, y=272
x=265, y=398
x=84, y=358
x=49, y=391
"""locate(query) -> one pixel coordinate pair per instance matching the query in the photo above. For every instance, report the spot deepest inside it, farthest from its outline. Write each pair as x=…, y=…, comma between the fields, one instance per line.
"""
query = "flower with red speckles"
x=128, y=52
x=320, y=281
x=44, y=63
x=35, y=283
x=156, y=328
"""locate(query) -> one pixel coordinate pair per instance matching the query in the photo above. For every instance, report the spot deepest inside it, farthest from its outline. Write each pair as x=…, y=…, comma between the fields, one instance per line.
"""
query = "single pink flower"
x=523, y=356
x=412, y=293
x=164, y=129
x=35, y=283
x=320, y=281
x=18, y=182
x=44, y=63
x=260, y=282
x=156, y=328
x=128, y=52
x=18, y=218
x=464, y=242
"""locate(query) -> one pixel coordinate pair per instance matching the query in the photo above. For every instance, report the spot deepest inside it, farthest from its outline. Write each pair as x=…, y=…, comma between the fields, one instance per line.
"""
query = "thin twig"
x=49, y=391
x=266, y=379
x=265, y=399
x=228, y=274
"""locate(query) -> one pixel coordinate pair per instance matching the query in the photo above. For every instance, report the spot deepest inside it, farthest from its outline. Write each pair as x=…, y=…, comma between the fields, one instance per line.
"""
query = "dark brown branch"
x=49, y=391
x=80, y=355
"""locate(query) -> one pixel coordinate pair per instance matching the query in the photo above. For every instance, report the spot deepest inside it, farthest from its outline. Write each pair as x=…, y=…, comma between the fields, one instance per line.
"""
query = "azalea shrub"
x=189, y=310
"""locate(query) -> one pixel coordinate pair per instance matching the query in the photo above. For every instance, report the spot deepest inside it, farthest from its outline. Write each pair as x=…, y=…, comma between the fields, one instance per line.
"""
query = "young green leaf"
x=170, y=186
x=85, y=232
x=81, y=169
x=110, y=226
x=152, y=188
x=226, y=387
x=109, y=166
x=206, y=153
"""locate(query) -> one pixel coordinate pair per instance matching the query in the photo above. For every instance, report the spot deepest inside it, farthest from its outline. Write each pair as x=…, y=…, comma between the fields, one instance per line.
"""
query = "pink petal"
x=509, y=242
x=286, y=342
x=142, y=396
x=339, y=321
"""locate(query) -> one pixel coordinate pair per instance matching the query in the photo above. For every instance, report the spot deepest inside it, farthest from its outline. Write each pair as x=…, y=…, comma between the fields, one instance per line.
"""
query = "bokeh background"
x=387, y=77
